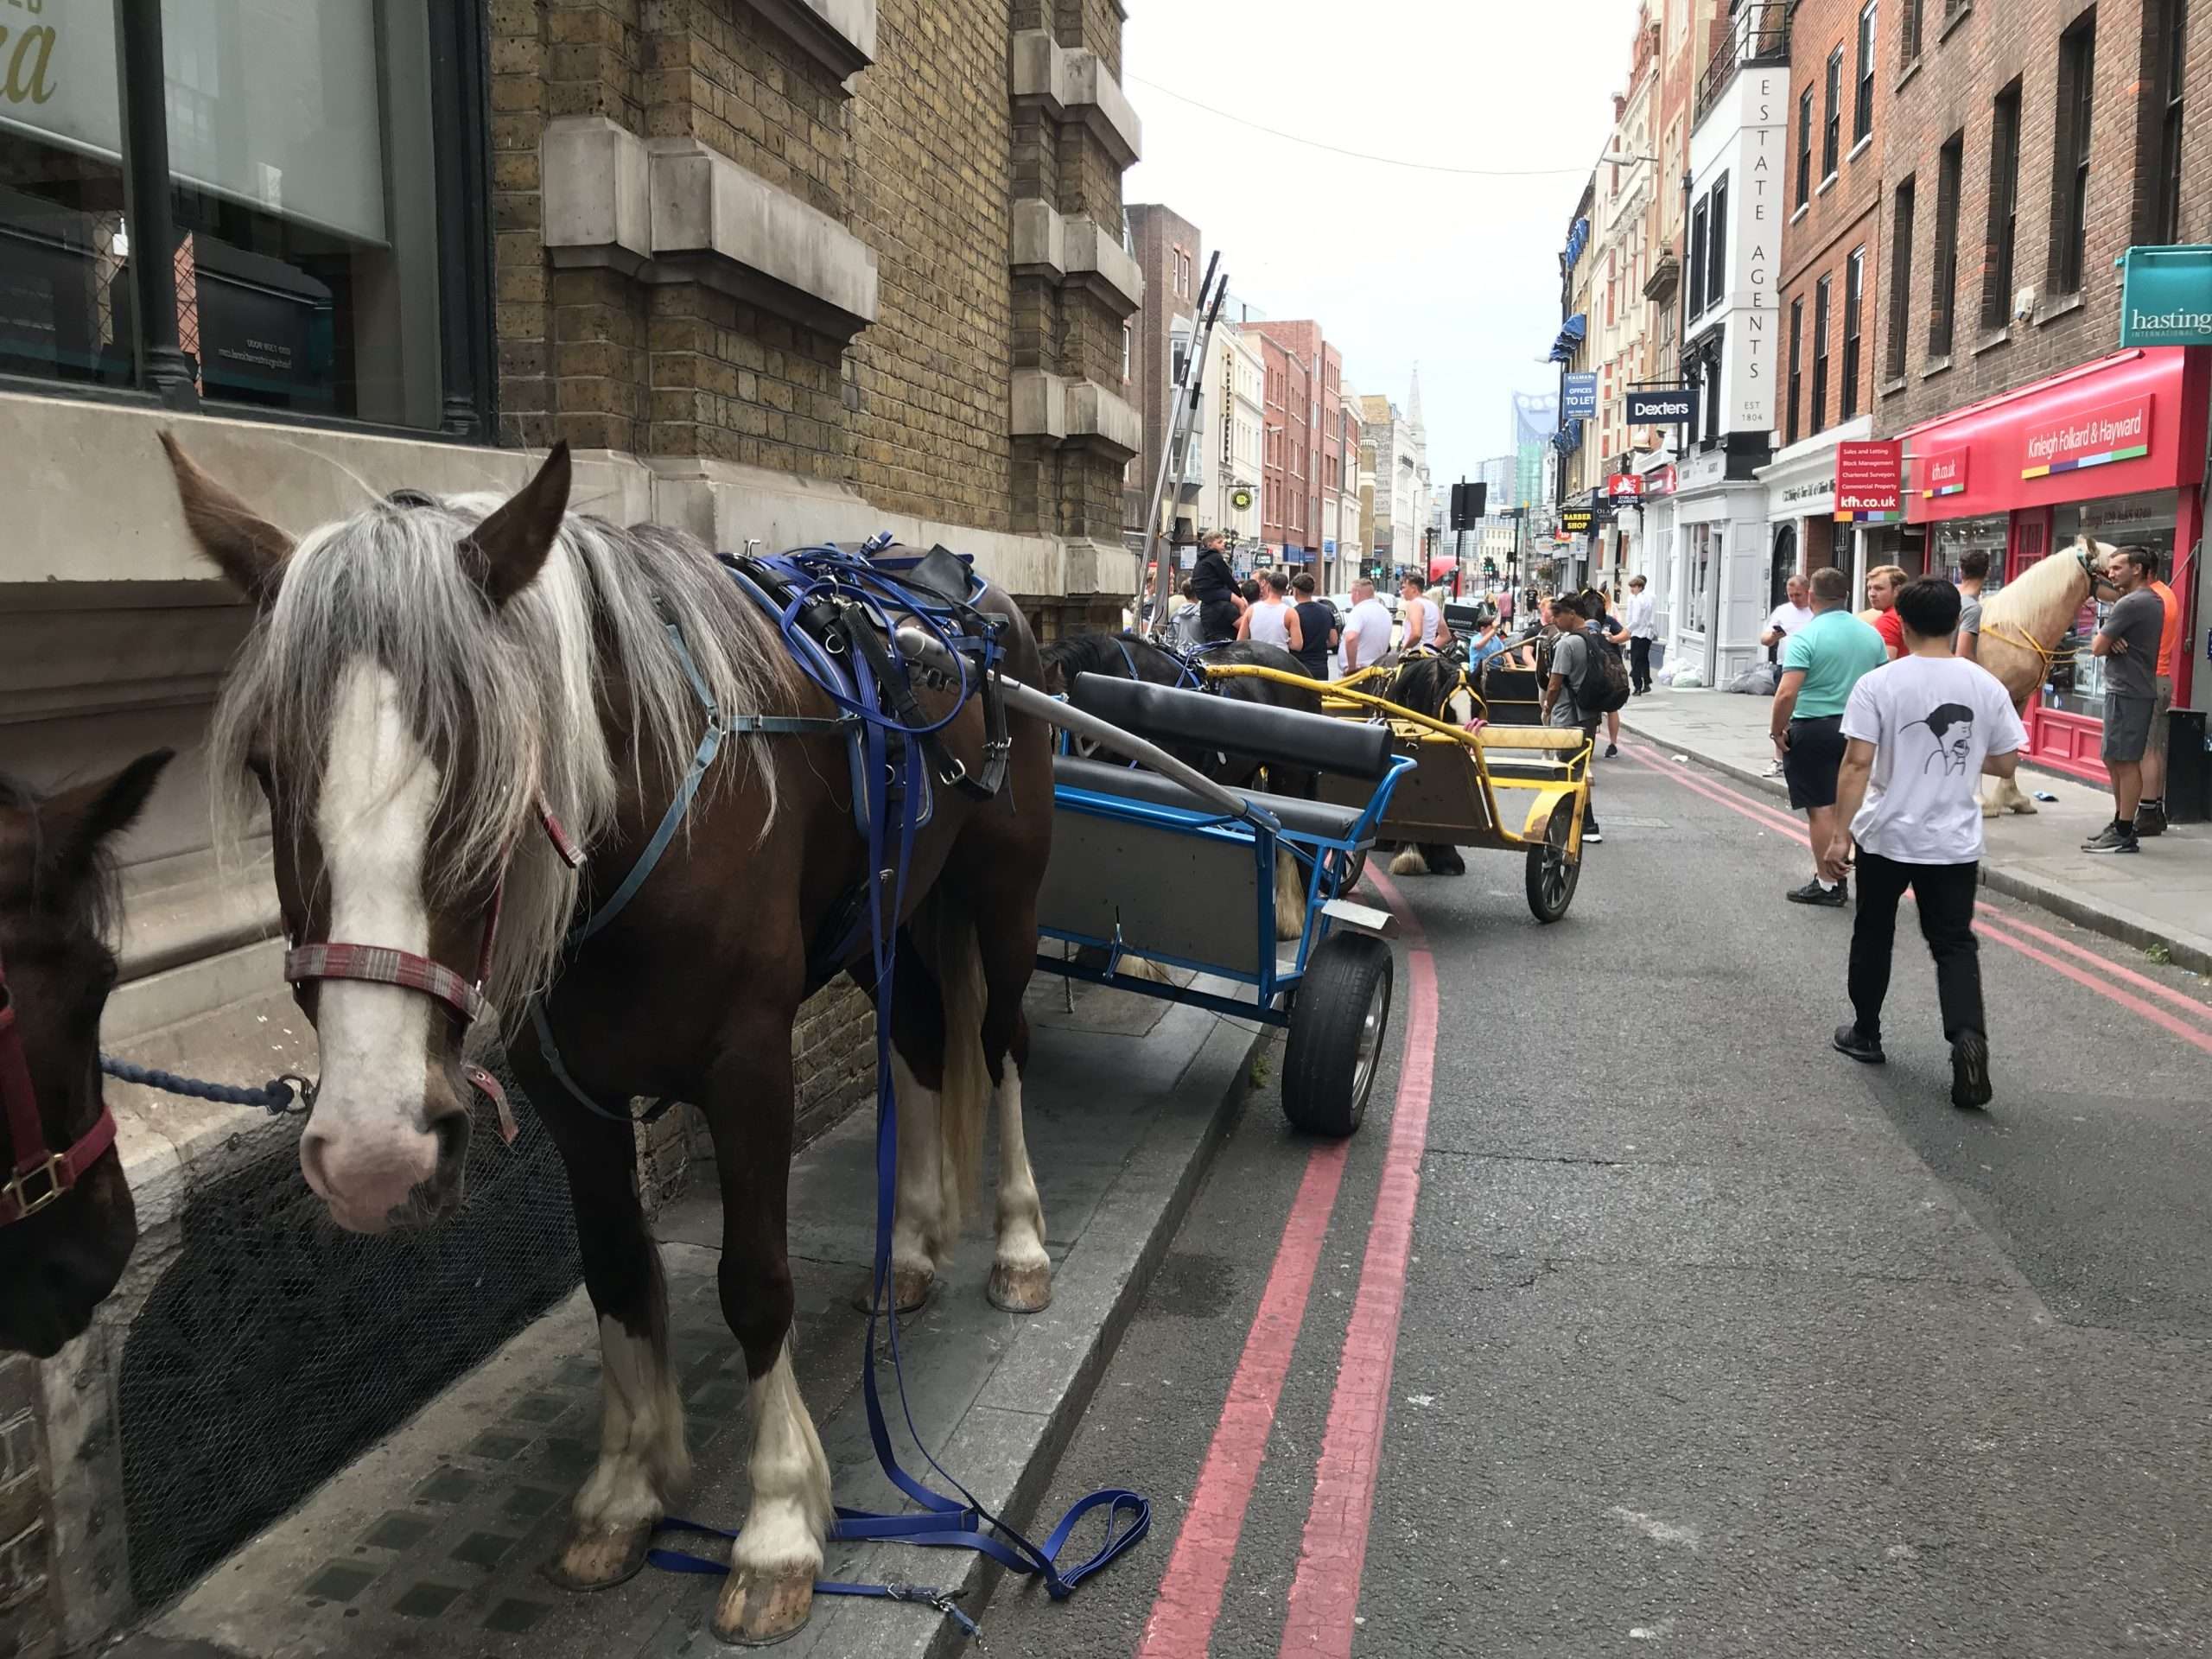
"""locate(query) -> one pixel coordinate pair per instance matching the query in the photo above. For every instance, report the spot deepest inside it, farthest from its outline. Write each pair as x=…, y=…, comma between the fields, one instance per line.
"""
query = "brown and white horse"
x=431, y=685
x=66, y=1222
x=2022, y=624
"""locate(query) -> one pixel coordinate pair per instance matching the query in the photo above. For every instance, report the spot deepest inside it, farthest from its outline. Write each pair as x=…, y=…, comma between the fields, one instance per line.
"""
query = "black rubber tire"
x=1551, y=880
x=1326, y=1079
x=1359, y=869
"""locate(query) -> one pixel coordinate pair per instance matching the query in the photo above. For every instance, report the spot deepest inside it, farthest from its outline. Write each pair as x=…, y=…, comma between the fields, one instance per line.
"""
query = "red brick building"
x=1285, y=512
x=2026, y=147
x=1321, y=432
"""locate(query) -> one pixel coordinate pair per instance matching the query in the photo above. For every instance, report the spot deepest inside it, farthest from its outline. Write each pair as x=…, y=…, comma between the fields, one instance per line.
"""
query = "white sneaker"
x=1773, y=769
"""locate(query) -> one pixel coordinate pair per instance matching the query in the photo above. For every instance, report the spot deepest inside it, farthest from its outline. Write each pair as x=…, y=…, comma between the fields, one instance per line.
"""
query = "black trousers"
x=1946, y=895
x=1639, y=665
x=1217, y=620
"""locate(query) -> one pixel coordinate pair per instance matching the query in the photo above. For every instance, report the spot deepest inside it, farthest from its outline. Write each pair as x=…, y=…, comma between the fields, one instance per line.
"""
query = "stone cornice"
x=839, y=34
x=1076, y=84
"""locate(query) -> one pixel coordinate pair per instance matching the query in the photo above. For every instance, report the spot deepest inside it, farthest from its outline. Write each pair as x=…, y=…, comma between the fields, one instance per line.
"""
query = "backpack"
x=1604, y=687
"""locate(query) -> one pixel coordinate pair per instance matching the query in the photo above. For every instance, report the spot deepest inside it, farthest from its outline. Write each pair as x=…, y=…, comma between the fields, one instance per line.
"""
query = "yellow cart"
x=1505, y=788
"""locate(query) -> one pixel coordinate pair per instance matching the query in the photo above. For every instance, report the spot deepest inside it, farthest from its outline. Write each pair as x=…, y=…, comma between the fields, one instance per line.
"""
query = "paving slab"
x=433, y=1540
x=2163, y=897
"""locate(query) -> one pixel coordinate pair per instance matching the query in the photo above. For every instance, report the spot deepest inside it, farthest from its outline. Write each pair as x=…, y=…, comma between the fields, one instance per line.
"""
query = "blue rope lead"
x=291, y=1095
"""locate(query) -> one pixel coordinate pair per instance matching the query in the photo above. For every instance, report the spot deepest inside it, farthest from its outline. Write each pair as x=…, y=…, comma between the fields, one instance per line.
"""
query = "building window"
x=1693, y=295
x=1862, y=119
x=2166, y=25
x=1832, y=133
x=1900, y=277
x=1942, y=298
x=290, y=263
x=2070, y=210
x=1909, y=31
x=1854, y=301
x=1716, y=263
x=2004, y=207
x=1128, y=348
x=1805, y=148
x=1821, y=295
x=1797, y=365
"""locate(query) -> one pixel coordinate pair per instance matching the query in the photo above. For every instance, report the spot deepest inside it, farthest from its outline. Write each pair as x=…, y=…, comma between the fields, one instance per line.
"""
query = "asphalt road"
x=1704, y=1339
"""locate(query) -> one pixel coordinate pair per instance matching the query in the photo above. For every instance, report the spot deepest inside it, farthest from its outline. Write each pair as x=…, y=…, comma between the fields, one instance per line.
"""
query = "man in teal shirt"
x=1820, y=665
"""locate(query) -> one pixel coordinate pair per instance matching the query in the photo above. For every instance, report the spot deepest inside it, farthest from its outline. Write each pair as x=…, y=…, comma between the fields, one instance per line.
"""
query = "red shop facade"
x=2113, y=449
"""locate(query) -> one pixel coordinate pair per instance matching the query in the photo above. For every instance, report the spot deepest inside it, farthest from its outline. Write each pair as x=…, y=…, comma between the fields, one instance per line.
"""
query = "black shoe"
x=1813, y=892
x=1613, y=749
x=2151, y=818
x=1970, y=1070
x=2114, y=837
x=1849, y=1039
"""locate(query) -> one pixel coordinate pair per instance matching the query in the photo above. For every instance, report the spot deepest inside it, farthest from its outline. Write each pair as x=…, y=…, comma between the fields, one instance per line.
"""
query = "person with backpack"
x=1574, y=695
x=1611, y=628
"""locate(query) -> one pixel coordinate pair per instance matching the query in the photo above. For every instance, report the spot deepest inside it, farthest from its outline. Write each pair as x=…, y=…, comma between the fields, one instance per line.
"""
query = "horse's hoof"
x=2025, y=809
x=600, y=1557
x=1989, y=811
x=1021, y=1290
x=760, y=1609
x=910, y=1289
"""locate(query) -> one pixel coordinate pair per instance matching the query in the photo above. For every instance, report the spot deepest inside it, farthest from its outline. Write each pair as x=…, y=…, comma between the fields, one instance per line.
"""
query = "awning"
x=1578, y=237
x=1572, y=333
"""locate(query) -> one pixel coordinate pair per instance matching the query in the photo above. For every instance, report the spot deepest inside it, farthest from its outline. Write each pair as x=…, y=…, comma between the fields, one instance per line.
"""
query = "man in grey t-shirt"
x=1570, y=663
x=2128, y=643
x=1974, y=570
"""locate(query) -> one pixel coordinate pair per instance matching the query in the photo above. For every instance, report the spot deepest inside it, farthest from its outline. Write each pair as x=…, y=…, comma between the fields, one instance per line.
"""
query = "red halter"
x=41, y=1175
x=378, y=965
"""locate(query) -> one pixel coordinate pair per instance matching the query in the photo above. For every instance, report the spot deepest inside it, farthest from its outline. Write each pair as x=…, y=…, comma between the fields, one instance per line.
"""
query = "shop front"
x=1716, y=598
x=1802, y=535
x=2113, y=450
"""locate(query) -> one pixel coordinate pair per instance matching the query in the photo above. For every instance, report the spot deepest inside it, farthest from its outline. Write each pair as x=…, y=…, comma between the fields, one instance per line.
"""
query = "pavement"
x=433, y=1540
x=2162, y=898
x=1705, y=1340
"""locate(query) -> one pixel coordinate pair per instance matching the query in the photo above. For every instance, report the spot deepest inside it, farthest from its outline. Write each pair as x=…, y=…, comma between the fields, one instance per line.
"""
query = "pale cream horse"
x=2022, y=625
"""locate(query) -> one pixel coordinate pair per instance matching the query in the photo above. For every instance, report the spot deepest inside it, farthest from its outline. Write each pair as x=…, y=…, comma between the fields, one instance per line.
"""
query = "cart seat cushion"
x=1289, y=738
x=1316, y=818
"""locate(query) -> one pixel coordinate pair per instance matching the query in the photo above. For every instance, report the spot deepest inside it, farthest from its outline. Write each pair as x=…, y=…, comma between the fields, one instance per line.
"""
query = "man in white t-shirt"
x=1781, y=622
x=1367, y=630
x=1922, y=732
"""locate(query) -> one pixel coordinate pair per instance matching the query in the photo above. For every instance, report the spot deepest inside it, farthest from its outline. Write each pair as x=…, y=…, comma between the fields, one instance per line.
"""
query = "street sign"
x=1579, y=396
x=1675, y=406
x=2165, y=297
x=1869, y=483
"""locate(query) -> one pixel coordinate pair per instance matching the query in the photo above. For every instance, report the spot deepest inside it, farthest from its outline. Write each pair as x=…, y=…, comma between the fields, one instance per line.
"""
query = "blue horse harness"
x=838, y=614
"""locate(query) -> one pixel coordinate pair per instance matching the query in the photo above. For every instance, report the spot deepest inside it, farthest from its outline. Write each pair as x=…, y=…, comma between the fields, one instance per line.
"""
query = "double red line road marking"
x=1324, y=1593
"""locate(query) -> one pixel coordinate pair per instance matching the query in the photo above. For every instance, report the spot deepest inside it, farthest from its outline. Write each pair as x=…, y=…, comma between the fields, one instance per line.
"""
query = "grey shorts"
x=2161, y=706
x=2127, y=726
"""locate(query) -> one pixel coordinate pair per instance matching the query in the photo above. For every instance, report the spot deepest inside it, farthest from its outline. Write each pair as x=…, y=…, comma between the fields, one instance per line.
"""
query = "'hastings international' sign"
x=2165, y=297
x=2117, y=432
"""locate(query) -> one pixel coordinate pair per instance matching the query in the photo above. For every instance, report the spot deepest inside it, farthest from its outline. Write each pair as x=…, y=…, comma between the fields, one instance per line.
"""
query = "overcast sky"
x=1460, y=273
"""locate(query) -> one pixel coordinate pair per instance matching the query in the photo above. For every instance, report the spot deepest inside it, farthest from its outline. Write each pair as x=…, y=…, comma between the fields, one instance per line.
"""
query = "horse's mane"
x=1094, y=653
x=514, y=699
x=1424, y=684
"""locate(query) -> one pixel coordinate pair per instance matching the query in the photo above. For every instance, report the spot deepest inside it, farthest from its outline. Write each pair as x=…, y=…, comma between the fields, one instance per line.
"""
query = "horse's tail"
x=946, y=934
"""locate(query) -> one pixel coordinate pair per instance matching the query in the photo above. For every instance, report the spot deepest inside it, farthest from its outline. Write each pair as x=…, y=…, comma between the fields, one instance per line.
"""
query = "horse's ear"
x=75, y=824
x=244, y=546
x=508, y=550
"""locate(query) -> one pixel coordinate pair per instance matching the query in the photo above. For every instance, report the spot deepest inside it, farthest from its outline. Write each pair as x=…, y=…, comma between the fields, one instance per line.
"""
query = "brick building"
x=1170, y=254
x=1286, y=458
x=1831, y=252
x=2025, y=148
x=1321, y=433
x=780, y=272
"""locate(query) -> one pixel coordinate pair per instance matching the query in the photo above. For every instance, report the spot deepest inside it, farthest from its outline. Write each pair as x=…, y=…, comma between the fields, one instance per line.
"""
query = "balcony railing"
x=1758, y=36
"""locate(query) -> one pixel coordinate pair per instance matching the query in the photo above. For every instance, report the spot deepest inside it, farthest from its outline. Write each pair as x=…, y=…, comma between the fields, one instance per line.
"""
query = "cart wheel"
x=1354, y=867
x=1336, y=1025
x=1551, y=878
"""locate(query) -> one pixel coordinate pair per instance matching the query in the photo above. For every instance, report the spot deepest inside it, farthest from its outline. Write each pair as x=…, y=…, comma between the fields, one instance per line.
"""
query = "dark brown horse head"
x=58, y=1263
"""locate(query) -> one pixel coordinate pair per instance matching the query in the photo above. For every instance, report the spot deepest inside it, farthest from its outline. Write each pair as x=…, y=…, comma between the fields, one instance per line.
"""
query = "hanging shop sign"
x=1241, y=498
x=1575, y=521
x=1579, y=396
x=1675, y=406
x=1944, y=472
x=1625, y=486
x=1869, y=483
x=2165, y=297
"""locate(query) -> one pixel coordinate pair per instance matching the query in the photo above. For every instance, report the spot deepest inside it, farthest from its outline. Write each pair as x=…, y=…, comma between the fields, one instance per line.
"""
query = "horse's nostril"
x=452, y=1131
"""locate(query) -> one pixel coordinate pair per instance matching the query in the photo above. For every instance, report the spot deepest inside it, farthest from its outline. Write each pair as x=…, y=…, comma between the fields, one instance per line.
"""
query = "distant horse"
x=1126, y=657
x=442, y=696
x=66, y=1222
x=1434, y=684
x=2022, y=624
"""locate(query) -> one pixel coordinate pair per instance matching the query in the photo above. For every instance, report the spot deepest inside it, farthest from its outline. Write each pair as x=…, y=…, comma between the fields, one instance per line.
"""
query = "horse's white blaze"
x=1459, y=707
x=367, y=1146
x=790, y=1515
x=1022, y=1213
x=642, y=1456
x=918, y=1225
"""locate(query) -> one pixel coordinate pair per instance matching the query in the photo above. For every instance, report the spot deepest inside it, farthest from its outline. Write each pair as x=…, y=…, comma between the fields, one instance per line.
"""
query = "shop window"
x=2004, y=207
x=1900, y=277
x=1942, y=300
x=1854, y=301
x=2077, y=679
x=1831, y=131
x=1862, y=119
x=1821, y=294
x=1702, y=549
x=314, y=250
x=2070, y=210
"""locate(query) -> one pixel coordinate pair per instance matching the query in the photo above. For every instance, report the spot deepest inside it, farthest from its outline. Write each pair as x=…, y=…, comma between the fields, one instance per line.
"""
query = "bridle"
x=461, y=995
x=41, y=1174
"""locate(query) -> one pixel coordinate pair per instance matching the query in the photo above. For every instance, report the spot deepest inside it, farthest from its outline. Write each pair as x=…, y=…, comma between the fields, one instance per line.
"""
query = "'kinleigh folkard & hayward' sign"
x=2116, y=432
